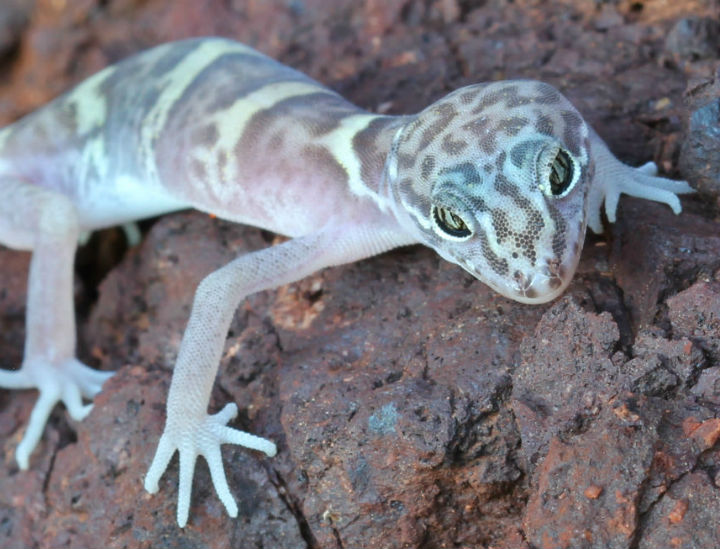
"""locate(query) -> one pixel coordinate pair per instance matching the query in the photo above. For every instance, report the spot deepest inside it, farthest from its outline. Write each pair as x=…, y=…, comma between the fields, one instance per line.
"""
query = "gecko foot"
x=68, y=382
x=204, y=437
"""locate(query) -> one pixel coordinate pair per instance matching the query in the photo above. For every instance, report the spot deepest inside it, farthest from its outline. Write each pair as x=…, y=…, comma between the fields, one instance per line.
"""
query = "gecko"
x=500, y=178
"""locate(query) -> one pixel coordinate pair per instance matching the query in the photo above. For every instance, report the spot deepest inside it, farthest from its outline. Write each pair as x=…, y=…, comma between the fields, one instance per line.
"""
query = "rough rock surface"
x=412, y=406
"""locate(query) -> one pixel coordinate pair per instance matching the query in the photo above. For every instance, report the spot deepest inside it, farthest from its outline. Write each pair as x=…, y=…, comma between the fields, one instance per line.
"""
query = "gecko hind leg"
x=44, y=221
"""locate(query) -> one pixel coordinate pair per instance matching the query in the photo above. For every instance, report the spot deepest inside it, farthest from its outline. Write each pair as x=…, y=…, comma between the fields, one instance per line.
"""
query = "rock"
x=700, y=152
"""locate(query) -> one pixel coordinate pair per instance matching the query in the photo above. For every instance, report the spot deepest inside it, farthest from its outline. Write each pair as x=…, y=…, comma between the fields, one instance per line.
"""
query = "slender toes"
x=219, y=480
x=187, y=470
x=35, y=428
x=229, y=412
x=649, y=168
x=73, y=402
x=228, y=435
x=163, y=455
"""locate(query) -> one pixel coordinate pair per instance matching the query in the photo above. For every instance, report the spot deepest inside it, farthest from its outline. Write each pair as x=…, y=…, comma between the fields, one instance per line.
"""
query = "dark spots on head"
x=546, y=94
x=524, y=240
x=572, y=135
x=559, y=242
x=520, y=152
x=444, y=113
x=467, y=172
x=513, y=125
x=427, y=167
x=497, y=263
x=501, y=226
x=452, y=146
x=508, y=93
x=488, y=142
x=478, y=204
x=500, y=162
x=489, y=168
x=477, y=126
x=544, y=124
x=480, y=127
x=410, y=130
x=468, y=97
x=406, y=193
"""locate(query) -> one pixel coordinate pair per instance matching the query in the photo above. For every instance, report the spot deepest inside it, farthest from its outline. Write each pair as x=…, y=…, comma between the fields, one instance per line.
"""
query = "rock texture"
x=412, y=406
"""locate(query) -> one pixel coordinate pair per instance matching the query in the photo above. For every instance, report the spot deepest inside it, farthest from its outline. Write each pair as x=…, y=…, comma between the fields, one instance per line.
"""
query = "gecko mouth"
x=543, y=284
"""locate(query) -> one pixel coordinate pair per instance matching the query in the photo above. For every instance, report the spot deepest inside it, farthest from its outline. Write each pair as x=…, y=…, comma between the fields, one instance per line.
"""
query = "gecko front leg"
x=41, y=220
x=189, y=429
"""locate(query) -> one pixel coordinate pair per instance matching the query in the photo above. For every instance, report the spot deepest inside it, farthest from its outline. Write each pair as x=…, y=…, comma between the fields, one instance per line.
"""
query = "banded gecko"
x=501, y=178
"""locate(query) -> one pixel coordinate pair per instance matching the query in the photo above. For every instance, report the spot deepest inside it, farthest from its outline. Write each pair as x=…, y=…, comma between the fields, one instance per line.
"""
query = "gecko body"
x=500, y=178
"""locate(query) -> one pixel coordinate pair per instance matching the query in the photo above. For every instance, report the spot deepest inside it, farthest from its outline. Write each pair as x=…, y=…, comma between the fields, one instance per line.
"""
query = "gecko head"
x=495, y=178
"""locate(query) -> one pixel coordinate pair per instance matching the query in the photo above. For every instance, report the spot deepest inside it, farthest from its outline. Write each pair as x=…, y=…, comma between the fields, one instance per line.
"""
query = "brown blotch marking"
x=489, y=100
x=446, y=113
x=546, y=94
x=500, y=225
x=222, y=159
x=326, y=162
x=544, y=124
x=497, y=263
x=477, y=126
x=367, y=149
x=526, y=239
x=559, y=242
x=452, y=146
x=513, y=125
x=469, y=97
x=488, y=143
x=515, y=100
x=410, y=130
x=205, y=136
x=572, y=135
x=277, y=140
x=405, y=193
x=427, y=167
x=302, y=111
x=481, y=127
x=198, y=170
x=405, y=161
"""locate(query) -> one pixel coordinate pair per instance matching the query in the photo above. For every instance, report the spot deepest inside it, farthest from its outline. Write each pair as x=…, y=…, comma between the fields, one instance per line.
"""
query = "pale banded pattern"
x=500, y=178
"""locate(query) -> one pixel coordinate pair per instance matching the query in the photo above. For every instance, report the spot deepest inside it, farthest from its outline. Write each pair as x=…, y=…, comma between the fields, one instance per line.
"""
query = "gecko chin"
x=534, y=286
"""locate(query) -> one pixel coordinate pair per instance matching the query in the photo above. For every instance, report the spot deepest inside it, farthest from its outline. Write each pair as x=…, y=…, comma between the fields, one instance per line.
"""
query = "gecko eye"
x=450, y=223
x=561, y=174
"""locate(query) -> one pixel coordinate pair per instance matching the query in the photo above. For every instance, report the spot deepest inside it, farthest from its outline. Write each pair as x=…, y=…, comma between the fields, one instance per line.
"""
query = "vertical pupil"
x=457, y=223
x=560, y=173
